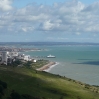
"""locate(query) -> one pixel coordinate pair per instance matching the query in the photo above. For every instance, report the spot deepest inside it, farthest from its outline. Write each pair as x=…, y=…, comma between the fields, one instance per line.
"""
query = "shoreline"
x=47, y=66
x=47, y=70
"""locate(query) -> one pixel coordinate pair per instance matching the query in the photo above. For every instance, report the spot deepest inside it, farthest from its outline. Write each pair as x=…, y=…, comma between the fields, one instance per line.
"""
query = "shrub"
x=4, y=84
x=15, y=95
x=1, y=89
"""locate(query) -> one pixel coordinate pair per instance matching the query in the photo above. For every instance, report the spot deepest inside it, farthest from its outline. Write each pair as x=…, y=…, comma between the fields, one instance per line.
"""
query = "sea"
x=78, y=61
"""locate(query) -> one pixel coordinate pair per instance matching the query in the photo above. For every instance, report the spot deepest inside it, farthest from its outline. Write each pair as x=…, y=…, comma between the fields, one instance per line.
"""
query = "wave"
x=47, y=70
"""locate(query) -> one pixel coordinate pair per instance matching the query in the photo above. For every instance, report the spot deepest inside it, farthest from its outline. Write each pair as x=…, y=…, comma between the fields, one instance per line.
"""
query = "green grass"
x=42, y=84
x=39, y=63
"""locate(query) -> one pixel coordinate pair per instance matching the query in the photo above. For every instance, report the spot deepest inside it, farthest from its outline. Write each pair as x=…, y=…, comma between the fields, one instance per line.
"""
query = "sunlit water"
x=76, y=62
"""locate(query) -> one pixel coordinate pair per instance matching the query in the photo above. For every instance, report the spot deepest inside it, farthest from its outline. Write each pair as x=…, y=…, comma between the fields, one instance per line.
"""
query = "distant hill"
x=47, y=43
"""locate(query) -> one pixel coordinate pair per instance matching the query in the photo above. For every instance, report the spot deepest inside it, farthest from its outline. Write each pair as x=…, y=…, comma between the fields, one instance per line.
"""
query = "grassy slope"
x=43, y=84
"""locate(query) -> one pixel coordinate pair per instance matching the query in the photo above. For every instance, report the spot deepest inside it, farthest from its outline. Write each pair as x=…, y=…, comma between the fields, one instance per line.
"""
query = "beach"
x=47, y=66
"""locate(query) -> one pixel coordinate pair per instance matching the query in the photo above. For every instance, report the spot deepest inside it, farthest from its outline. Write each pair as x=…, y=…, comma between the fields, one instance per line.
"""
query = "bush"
x=15, y=95
x=26, y=96
x=0, y=96
x=4, y=84
x=1, y=89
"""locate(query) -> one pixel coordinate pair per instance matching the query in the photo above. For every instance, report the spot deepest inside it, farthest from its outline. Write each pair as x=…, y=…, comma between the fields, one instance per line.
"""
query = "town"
x=17, y=49
x=7, y=57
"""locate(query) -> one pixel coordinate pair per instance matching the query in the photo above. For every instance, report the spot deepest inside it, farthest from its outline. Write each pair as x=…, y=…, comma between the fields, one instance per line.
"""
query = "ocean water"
x=74, y=61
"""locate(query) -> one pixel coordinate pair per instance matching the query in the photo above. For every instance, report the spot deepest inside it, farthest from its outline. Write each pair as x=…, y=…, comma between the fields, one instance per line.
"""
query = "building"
x=14, y=54
x=7, y=57
x=4, y=57
x=27, y=57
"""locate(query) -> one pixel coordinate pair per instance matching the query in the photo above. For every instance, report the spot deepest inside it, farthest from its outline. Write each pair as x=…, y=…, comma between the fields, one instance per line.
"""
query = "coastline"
x=47, y=70
x=47, y=66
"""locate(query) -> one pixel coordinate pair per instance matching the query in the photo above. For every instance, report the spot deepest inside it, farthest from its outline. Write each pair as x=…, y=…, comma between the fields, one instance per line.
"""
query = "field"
x=44, y=85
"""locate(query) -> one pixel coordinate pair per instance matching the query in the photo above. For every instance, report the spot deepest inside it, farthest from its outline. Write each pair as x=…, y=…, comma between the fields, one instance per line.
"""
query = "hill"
x=44, y=85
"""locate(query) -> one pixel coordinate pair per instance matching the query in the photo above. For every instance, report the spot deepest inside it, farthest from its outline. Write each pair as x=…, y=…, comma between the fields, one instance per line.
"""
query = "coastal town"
x=12, y=56
x=18, y=49
x=8, y=58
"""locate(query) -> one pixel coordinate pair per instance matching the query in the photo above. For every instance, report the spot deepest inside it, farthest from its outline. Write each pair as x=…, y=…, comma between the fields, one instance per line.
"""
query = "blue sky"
x=20, y=3
x=49, y=20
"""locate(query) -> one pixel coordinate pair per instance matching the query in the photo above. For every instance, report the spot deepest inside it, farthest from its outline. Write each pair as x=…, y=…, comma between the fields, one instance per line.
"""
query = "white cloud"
x=24, y=29
x=47, y=25
x=71, y=17
x=27, y=28
x=5, y=5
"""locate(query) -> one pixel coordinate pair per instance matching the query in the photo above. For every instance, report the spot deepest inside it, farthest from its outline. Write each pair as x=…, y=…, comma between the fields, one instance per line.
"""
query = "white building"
x=27, y=57
x=21, y=56
x=34, y=60
x=9, y=57
x=14, y=54
x=4, y=56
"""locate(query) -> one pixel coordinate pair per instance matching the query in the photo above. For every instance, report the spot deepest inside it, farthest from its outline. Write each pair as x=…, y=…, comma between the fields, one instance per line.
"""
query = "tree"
x=28, y=63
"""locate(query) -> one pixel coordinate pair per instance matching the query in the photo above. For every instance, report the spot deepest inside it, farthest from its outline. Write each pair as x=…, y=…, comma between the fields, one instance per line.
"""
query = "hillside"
x=44, y=85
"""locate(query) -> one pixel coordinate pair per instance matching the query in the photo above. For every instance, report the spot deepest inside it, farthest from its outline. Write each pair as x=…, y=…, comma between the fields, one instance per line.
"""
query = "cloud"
x=69, y=17
x=47, y=25
x=5, y=5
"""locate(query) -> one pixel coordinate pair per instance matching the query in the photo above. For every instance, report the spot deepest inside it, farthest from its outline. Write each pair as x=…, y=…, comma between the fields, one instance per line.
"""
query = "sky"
x=49, y=21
